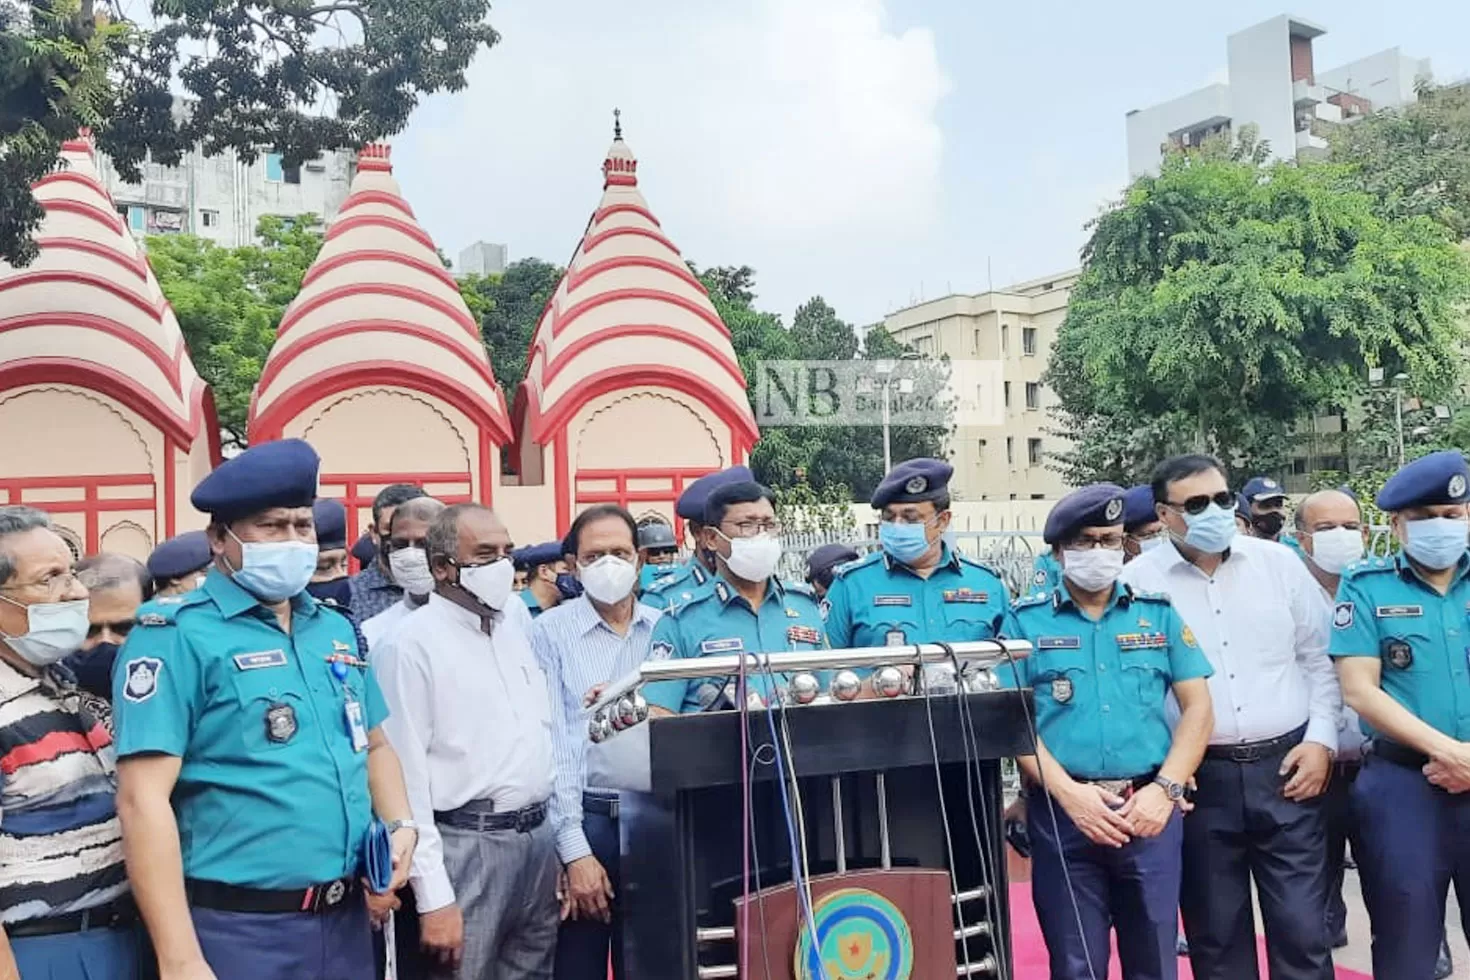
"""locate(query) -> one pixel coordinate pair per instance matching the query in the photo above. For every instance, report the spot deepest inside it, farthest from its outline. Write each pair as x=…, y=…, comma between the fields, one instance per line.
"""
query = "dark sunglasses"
x=122, y=628
x=1225, y=500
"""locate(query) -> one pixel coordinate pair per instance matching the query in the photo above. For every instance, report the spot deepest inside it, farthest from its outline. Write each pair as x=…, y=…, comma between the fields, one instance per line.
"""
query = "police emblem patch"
x=1456, y=488
x=824, y=607
x=1187, y=635
x=1114, y=509
x=860, y=935
x=661, y=651
x=1040, y=577
x=916, y=484
x=1062, y=690
x=280, y=722
x=1398, y=653
x=1342, y=615
x=142, y=678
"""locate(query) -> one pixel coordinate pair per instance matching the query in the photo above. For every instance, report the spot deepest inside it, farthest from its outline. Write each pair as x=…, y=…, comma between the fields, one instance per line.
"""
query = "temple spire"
x=617, y=124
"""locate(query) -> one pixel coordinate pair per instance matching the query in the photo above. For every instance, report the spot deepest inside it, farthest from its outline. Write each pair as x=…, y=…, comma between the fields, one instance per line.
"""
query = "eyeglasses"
x=52, y=585
x=749, y=529
x=122, y=628
x=1110, y=541
x=1225, y=500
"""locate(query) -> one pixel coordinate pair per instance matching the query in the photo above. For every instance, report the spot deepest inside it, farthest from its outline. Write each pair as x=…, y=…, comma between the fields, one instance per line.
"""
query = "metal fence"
x=1010, y=553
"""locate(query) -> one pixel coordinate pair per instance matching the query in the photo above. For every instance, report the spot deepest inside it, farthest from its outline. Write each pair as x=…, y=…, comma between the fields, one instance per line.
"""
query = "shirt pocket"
x=1404, y=647
x=970, y=620
x=1055, y=685
x=894, y=630
x=1146, y=675
x=274, y=712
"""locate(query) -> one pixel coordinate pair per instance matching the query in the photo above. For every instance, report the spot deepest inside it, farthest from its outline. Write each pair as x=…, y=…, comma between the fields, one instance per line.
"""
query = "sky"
x=873, y=152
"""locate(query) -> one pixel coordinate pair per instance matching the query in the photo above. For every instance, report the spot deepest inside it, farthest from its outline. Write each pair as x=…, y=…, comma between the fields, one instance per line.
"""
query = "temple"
x=105, y=423
x=379, y=364
x=632, y=387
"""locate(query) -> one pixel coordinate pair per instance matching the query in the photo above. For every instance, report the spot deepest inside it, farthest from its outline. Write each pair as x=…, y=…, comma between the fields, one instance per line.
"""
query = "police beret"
x=913, y=481
x=1439, y=478
x=533, y=555
x=656, y=534
x=695, y=496
x=821, y=561
x=1138, y=507
x=366, y=548
x=1243, y=506
x=1260, y=488
x=273, y=474
x=331, y=524
x=180, y=555
x=1095, y=505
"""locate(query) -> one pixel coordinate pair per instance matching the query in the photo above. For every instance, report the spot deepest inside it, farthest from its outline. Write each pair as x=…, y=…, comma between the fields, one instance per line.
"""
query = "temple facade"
x=105, y=423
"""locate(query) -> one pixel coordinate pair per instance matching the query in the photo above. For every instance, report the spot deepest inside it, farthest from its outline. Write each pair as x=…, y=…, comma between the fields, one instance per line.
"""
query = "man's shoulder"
x=165, y=611
x=976, y=568
x=1366, y=570
x=859, y=566
x=1031, y=602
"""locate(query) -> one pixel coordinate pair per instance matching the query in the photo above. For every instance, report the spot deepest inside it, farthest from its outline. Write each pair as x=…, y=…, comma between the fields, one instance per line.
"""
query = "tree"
x=296, y=76
x=1224, y=299
x=229, y=302
x=507, y=306
x=819, y=334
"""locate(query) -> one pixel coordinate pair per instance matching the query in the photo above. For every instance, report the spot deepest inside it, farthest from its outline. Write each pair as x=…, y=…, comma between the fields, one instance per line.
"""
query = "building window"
x=977, y=342
x=1033, y=451
x=209, y=219
x=273, y=168
x=292, y=175
x=1010, y=450
x=1013, y=496
x=1028, y=341
x=983, y=444
x=1033, y=395
x=1005, y=339
x=1038, y=496
x=1007, y=387
x=137, y=217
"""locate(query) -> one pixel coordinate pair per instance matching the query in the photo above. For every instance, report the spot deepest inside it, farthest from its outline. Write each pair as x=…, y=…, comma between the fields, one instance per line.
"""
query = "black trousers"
x=1342, y=829
x=1242, y=828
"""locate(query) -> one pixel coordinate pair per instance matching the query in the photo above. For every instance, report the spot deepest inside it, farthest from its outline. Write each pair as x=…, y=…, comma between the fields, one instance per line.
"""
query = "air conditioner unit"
x=315, y=166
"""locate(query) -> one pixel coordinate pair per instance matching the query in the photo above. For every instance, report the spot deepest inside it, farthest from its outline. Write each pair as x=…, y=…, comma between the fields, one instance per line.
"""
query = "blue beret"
x=913, y=481
x=1243, y=506
x=366, y=549
x=180, y=555
x=1439, y=478
x=696, y=495
x=273, y=474
x=1260, y=488
x=537, y=554
x=330, y=518
x=656, y=534
x=821, y=561
x=1138, y=507
x=1095, y=505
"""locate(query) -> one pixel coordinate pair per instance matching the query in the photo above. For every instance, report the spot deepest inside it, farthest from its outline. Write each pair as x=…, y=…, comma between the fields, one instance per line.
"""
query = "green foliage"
x=802, y=509
x=507, y=306
x=229, y=302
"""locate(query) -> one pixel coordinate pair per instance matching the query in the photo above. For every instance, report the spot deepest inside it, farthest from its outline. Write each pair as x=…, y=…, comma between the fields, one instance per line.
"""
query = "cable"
x=745, y=821
x=760, y=894
x=943, y=808
x=803, y=897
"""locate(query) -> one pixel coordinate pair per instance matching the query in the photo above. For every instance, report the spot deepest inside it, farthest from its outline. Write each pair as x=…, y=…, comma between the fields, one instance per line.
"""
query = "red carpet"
x=1030, y=950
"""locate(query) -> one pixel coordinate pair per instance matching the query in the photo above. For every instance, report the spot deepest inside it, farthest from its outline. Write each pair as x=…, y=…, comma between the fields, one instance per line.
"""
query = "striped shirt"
x=577, y=651
x=60, y=840
x=369, y=593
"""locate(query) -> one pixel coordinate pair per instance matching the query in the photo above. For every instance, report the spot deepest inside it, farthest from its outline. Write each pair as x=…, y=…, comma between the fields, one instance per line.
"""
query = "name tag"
x=1398, y=612
x=1059, y=643
x=965, y=595
x=255, y=661
x=803, y=634
x=1141, y=641
x=893, y=600
x=732, y=645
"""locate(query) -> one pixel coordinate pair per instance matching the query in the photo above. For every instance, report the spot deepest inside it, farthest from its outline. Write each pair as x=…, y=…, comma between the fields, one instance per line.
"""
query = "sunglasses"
x=1196, y=505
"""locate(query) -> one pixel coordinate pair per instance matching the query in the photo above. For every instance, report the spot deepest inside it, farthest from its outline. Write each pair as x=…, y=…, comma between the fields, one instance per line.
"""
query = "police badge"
x=1061, y=690
x=916, y=484
x=1114, y=509
x=1398, y=653
x=142, y=678
x=280, y=723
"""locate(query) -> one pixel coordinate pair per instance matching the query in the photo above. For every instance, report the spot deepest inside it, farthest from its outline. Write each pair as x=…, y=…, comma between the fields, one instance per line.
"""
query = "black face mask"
x=335, y=593
x=1269, y=525
x=94, y=669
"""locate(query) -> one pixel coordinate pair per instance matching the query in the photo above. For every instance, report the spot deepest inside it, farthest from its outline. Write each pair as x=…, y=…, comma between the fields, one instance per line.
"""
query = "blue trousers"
x=1415, y=841
x=335, y=945
x=582, y=944
x=1133, y=890
x=97, y=954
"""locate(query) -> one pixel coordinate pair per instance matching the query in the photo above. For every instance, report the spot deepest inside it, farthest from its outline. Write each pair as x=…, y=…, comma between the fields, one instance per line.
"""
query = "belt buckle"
x=524, y=816
x=329, y=896
x=613, y=807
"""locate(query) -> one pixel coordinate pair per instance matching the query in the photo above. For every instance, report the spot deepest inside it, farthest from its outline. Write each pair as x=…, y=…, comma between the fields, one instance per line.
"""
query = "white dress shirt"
x=470, y=720
x=379, y=628
x=1259, y=621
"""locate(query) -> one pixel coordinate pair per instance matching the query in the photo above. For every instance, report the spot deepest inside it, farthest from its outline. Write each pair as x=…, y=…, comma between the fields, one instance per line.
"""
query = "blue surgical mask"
x=274, y=571
x=1211, y=530
x=903, y=542
x=1436, y=542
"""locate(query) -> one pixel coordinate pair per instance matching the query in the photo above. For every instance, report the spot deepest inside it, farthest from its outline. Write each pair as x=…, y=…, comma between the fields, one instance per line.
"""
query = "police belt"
x=602, y=804
x=480, y=816
x=1121, y=787
x=222, y=897
x=1399, y=755
x=1266, y=748
x=117, y=914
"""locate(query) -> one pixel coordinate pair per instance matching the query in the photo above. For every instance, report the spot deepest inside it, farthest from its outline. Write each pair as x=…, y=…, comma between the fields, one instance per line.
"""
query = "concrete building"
x=481, y=259
x=1000, y=444
x=1275, y=86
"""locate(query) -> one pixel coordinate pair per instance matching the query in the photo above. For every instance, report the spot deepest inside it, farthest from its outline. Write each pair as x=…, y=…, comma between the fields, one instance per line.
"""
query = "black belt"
x=1399, y=755
x=606, y=806
x=1124, y=787
x=1256, y=751
x=471, y=817
x=114, y=915
x=237, y=898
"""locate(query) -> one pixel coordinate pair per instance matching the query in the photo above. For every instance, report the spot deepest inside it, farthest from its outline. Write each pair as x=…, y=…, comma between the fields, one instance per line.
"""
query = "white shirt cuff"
x=1322, y=731
x=433, y=891
x=571, y=843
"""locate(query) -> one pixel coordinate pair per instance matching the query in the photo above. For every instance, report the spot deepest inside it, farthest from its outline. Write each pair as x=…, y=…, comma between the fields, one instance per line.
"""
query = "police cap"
x=534, y=555
x=1259, y=489
x=913, y=481
x=1439, y=478
x=821, y=562
x=1138, y=507
x=1243, y=506
x=331, y=524
x=273, y=474
x=656, y=534
x=695, y=496
x=1095, y=505
x=180, y=555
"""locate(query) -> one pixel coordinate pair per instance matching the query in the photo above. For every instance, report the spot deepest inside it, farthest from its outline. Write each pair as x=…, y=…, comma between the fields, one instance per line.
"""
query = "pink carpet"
x=1030, y=951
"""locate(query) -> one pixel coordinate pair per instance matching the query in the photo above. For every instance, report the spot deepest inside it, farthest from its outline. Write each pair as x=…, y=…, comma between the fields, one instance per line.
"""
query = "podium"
x=900, y=814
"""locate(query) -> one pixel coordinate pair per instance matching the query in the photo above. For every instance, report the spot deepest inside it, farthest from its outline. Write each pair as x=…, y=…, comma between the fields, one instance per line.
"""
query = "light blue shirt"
x=877, y=601
x=577, y=650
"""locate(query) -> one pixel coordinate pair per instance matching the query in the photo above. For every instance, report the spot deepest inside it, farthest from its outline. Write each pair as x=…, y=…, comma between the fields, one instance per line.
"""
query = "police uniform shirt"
x=718, y=621
x=876, y=601
x=1046, y=572
x=1385, y=610
x=1101, y=686
x=678, y=586
x=272, y=792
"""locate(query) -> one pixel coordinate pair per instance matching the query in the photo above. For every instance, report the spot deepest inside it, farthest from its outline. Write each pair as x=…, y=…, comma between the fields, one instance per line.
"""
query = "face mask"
x=1149, y=544
x=568, y=586
x=1336, y=548
x=754, y=559
x=1092, y=569
x=609, y=579
x=1269, y=525
x=489, y=583
x=410, y=568
x=336, y=593
x=1211, y=530
x=1434, y=542
x=274, y=571
x=53, y=630
x=94, y=669
x=903, y=542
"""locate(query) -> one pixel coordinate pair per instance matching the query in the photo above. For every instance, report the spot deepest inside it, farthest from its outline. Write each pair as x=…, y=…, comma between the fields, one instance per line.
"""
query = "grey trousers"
x=505, y=886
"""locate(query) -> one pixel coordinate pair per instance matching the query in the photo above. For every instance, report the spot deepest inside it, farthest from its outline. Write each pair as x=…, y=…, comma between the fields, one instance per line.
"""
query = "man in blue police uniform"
x=745, y=608
x=917, y=589
x=1142, y=529
x=1104, y=660
x=1399, y=639
x=1046, y=572
x=252, y=761
x=548, y=583
x=821, y=566
x=329, y=581
x=178, y=564
x=679, y=585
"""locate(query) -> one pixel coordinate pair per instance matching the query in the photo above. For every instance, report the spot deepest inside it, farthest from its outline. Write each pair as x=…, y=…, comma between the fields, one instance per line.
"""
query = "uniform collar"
x=1062, y=599
x=948, y=558
x=1407, y=571
x=585, y=617
x=233, y=600
x=727, y=594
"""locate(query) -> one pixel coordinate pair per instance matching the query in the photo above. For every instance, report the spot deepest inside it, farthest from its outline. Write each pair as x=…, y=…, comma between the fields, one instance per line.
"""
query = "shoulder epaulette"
x=851, y=566
x=1368, y=566
x=1031, y=599
x=977, y=563
x=1153, y=597
x=686, y=598
x=662, y=582
x=800, y=588
x=164, y=610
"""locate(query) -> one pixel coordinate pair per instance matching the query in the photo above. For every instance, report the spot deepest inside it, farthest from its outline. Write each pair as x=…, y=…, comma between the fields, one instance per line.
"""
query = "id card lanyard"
x=351, y=709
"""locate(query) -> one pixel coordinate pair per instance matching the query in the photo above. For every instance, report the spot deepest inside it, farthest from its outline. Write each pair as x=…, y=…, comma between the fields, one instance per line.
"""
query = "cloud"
x=798, y=138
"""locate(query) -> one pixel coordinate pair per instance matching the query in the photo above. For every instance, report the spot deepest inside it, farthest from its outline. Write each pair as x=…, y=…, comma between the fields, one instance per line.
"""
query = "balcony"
x=1304, y=93
x=1309, y=144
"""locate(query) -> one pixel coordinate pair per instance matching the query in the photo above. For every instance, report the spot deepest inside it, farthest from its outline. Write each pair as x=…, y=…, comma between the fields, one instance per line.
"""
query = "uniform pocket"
x=273, y=714
x=1148, y=676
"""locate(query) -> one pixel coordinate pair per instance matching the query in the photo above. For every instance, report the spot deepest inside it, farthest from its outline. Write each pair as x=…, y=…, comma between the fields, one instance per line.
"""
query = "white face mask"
x=754, y=559
x=53, y=631
x=1336, y=548
x=1146, y=545
x=489, y=583
x=609, y=579
x=410, y=568
x=1092, y=569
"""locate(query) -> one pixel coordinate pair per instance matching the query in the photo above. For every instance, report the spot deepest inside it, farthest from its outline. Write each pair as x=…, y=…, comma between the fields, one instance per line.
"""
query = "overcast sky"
x=875, y=152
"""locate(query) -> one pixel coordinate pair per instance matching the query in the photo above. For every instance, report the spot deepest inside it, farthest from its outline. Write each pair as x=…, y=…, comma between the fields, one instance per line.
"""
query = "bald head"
x=1325, y=509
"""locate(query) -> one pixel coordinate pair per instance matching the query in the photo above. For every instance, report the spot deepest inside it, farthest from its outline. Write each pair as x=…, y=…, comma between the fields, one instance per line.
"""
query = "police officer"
x=1107, y=846
x=329, y=581
x=744, y=608
x=1265, y=507
x=822, y=564
x=547, y=580
x=1142, y=529
x=678, y=585
x=178, y=564
x=252, y=761
x=1046, y=572
x=1399, y=639
x=658, y=552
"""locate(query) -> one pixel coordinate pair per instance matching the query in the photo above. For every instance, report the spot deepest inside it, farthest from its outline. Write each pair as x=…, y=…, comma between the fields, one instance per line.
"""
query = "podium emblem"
x=860, y=935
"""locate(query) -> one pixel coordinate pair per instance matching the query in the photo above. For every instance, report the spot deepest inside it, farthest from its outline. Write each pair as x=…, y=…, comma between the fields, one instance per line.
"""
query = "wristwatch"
x=403, y=825
x=1174, y=791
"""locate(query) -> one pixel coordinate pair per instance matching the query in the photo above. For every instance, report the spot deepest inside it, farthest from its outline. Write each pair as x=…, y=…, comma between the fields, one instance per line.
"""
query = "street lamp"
x=884, y=369
x=1375, y=377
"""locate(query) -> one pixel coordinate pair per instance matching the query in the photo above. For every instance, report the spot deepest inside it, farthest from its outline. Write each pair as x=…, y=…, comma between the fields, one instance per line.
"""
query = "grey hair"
x=17, y=519
x=442, y=541
x=417, y=509
x=99, y=573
